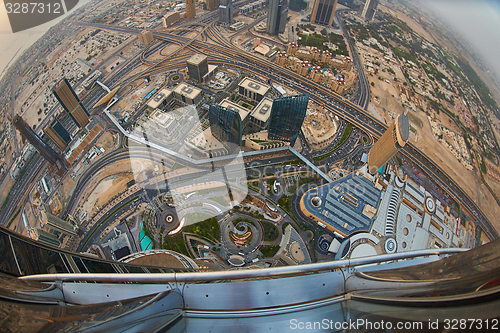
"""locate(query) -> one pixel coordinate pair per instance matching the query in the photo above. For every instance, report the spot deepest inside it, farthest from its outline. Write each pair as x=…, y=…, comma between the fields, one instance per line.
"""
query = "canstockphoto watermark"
x=26, y=14
x=327, y=324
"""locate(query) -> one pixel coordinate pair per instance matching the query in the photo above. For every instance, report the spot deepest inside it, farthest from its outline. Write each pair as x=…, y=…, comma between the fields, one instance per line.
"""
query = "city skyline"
x=199, y=147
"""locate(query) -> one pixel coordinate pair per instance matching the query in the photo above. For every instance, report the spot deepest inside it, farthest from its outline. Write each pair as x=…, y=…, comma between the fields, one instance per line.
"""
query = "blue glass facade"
x=225, y=124
x=287, y=116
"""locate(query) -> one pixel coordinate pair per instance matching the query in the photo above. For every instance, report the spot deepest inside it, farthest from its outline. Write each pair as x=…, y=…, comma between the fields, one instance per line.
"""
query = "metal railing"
x=237, y=274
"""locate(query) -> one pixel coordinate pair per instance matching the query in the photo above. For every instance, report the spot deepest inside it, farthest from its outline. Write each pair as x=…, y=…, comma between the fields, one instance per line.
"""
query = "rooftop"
x=235, y=107
x=187, y=90
x=343, y=204
x=263, y=110
x=159, y=98
x=197, y=59
x=255, y=86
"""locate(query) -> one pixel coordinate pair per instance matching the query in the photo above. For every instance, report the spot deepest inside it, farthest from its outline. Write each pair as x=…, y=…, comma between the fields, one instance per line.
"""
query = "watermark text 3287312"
x=25, y=14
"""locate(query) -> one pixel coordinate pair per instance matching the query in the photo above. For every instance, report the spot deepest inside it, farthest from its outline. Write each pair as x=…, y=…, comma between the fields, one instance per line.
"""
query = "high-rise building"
x=297, y=5
x=253, y=89
x=56, y=160
x=287, y=116
x=213, y=4
x=369, y=10
x=71, y=103
x=323, y=12
x=225, y=124
x=170, y=18
x=226, y=12
x=197, y=67
x=277, y=15
x=146, y=37
x=348, y=3
x=393, y=139
x=190, y=9
x=58, y=134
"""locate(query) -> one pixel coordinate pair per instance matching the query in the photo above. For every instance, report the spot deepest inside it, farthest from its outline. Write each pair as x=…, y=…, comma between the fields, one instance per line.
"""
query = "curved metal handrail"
x=238, y=274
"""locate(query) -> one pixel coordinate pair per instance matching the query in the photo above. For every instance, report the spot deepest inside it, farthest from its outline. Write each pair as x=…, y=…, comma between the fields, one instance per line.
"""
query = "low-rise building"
x=243, y=112
x=187, y=93
x=260, y=114
x=252, y=89
x=170, y=18
x=146, y=37
x=160, y=99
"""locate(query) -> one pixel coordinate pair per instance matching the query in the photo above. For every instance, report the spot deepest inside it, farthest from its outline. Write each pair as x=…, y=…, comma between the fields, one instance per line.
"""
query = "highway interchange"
x=224, y=53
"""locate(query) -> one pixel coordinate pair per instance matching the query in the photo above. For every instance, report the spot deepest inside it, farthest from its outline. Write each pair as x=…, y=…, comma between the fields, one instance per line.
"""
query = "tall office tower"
x=226, y=12
x=190, y=9
x=56, y=231
x=71, y=103
x=370, y=9
x=283, y=13
x=287, y=116
x=277, y=16
x=197, y=67
x=213, y=4
x=393, y=139
x=58, y=134
x=297, y=5
x=323, y=12
x=146, y=37
x=348, y=3
x=225, y=124
x=56, y=160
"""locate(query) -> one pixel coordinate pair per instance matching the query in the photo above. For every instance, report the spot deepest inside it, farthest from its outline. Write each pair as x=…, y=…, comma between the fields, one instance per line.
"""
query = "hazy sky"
x=478, y=21
x=12, y=45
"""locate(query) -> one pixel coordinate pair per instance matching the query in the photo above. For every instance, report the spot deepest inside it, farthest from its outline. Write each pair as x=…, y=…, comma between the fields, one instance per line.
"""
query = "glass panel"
x=37, y=260
x=7, y=260
x=80, y=265
x=98, y=267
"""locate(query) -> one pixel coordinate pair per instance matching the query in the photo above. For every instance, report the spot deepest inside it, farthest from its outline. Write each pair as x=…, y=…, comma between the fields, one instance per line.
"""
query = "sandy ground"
x=411, y=22
x=489, y=206
x=105, y=190
x=106, y=141
x=385, y=101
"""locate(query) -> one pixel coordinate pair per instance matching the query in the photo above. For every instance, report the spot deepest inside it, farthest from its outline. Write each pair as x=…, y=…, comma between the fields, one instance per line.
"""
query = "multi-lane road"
x=353, y=111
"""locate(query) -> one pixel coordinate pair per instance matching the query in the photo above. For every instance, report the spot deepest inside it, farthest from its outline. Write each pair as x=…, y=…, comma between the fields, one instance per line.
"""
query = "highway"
x=227, y=54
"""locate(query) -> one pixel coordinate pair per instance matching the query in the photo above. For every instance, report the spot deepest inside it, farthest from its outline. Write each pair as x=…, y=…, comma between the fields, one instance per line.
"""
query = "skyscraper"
x=197, y=66
x=393, y=139
x=71, y=103
x=190, y=9
x=213, y=4
x=58, y=134
x=225, y=124
x=277, y=16
x=146, y=37
x=323, y=12
x=226, y=12
x=297, y=5
x=370, y=9
x=287, y=116
x=55, y=159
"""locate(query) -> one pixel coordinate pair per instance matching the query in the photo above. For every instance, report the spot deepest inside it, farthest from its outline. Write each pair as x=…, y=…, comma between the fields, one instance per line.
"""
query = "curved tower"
x=393, y=139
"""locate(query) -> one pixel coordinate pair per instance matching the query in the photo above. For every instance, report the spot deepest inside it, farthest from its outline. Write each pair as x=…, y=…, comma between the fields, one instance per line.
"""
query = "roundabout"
x=167, y=219
x=241, y=234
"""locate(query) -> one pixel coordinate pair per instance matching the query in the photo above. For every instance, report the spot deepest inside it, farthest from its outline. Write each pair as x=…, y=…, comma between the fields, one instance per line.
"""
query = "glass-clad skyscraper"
x=287, y=116
x=324, y=11
x=65, y=94
x=225, y=124
x=58, y=134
